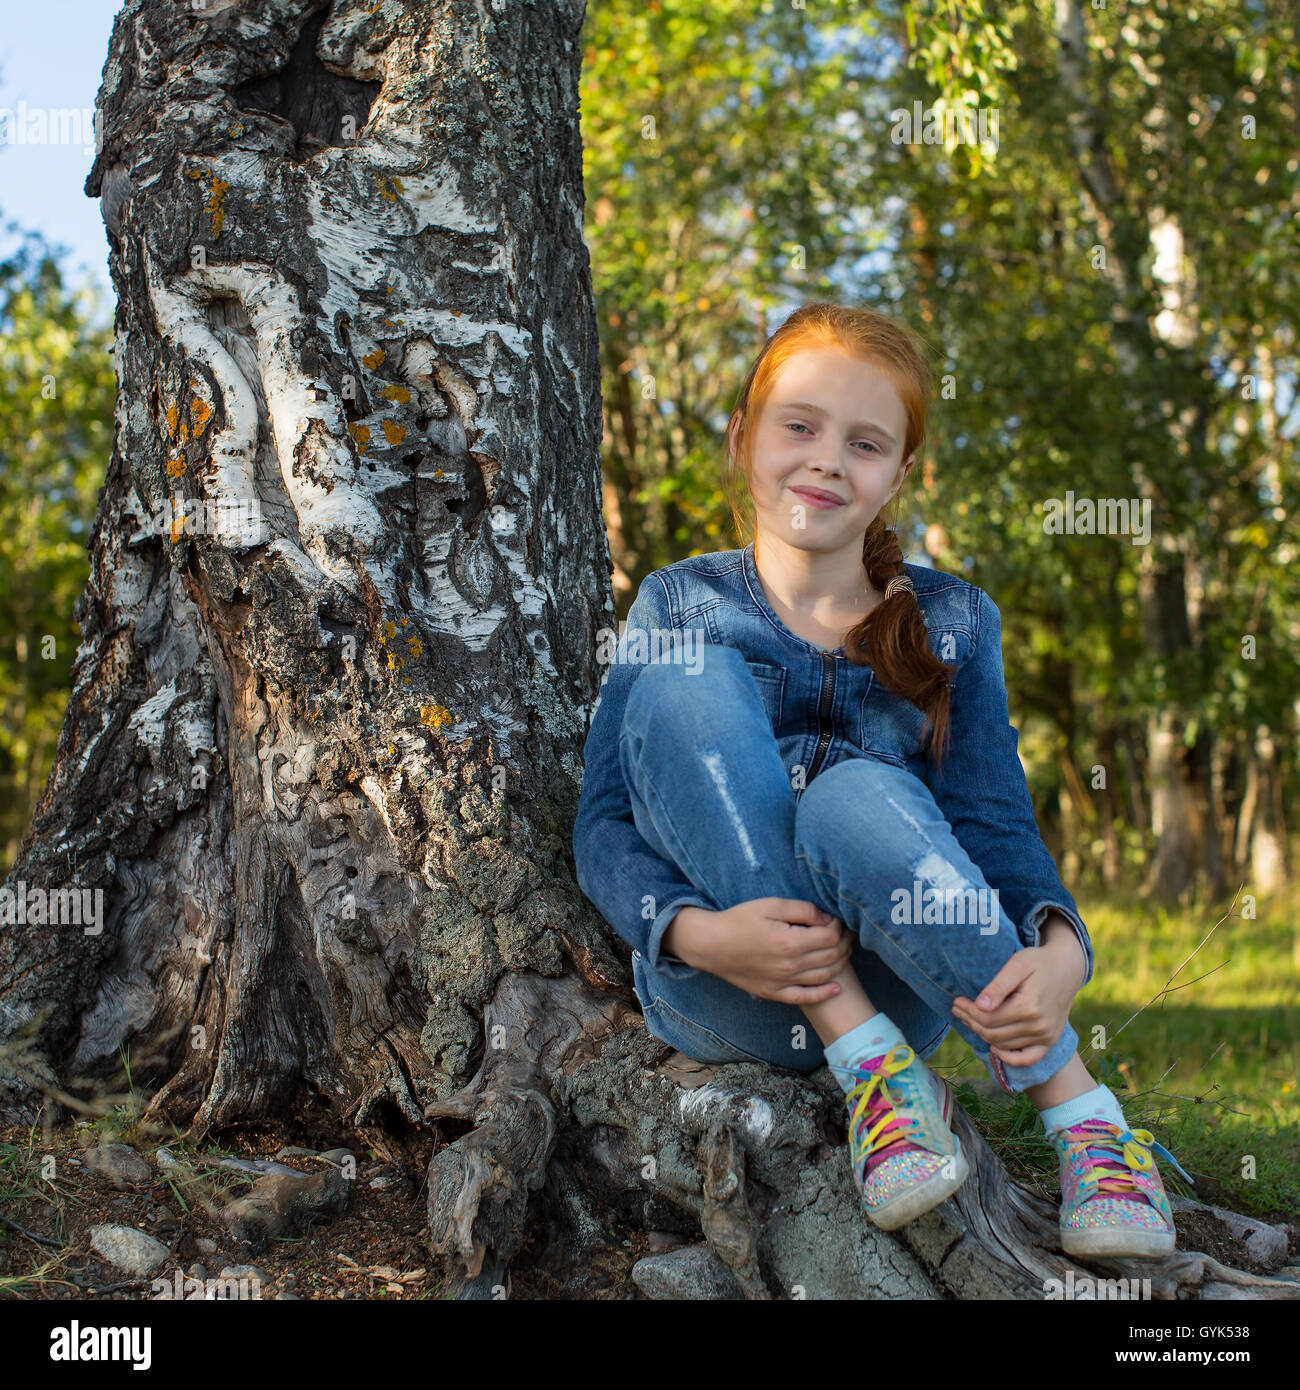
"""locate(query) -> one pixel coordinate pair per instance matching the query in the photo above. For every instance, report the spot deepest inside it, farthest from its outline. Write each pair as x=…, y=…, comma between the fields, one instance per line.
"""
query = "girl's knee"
x=845, y=810
x=856, y=782
x=687, y=676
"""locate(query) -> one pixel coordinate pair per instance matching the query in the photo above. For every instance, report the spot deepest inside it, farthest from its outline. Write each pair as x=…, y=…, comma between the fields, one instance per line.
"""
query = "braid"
x=882, y=556
x=893, y=638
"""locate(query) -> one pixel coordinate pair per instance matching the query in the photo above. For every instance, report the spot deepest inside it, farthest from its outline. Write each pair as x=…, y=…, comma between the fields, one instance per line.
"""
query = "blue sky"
x=52, y=56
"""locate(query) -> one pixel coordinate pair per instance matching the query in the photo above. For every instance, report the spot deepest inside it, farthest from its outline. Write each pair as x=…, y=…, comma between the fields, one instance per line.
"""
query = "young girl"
x=803, y=804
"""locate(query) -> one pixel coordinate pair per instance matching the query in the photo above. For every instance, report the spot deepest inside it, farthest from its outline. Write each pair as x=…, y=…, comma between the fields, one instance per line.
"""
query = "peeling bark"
x=323, y=763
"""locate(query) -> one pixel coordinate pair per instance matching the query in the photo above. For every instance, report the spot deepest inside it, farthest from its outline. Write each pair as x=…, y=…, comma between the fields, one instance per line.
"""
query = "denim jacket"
x=820, y=703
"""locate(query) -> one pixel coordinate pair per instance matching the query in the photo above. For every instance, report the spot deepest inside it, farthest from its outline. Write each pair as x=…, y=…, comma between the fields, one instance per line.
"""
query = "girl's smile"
x=818, y=497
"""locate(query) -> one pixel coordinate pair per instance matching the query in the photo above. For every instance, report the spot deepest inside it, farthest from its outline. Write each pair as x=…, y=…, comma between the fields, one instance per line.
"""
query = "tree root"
x=751, y=1157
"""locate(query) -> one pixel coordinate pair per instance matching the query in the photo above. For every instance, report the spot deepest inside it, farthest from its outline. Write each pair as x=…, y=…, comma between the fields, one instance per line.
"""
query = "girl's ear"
x=893, y=492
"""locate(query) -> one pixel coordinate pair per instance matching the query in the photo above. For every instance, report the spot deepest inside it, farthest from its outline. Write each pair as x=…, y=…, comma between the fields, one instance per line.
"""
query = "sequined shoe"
x=1112, y=1199
x=905, y=1157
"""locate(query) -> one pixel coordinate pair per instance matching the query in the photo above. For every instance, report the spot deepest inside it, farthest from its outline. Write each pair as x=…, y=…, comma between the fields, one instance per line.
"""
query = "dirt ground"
x=377, y=1249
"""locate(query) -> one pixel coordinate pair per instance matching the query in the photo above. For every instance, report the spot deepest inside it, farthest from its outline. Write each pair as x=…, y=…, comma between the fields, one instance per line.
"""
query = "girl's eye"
x=798, y=425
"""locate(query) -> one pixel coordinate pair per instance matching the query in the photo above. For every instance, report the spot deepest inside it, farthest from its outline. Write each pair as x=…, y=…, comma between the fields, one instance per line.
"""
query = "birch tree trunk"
x=324, y=766
x=1162, y=595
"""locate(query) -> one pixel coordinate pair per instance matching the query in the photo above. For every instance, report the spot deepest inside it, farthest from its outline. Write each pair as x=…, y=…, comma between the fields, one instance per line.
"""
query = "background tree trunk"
x=1262, y=840
x=325, y=770
x=1128, y=240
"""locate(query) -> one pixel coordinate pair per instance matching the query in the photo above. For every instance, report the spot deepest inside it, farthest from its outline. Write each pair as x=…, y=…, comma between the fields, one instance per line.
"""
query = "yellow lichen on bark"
x=216, y=195
x=217, y=190
x=201, y=414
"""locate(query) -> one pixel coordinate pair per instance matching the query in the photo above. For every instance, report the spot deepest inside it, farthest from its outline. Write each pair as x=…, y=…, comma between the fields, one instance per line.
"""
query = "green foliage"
x=1068, y=377
x=56, y=416
x=722, y=185
x=719, y=141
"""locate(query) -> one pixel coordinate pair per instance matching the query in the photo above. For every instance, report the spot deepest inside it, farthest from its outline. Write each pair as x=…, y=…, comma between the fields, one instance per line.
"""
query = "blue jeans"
x=864, y=841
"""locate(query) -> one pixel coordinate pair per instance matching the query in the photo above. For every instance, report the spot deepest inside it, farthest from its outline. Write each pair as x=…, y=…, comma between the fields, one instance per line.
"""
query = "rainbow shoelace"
x=1104, y=1158
x=879, y=1131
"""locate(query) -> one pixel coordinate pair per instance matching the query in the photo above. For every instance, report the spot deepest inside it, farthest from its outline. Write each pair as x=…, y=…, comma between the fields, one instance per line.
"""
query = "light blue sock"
x=1097, y=1104
x=870, y=1039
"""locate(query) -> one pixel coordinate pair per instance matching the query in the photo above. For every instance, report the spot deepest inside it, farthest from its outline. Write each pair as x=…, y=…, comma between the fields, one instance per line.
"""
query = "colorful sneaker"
x=904, y=1156
x=1112, y=1199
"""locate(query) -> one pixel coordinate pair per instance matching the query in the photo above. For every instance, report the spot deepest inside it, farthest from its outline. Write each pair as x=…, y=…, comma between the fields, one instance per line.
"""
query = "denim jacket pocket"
x=770, y=681
x=891, y=726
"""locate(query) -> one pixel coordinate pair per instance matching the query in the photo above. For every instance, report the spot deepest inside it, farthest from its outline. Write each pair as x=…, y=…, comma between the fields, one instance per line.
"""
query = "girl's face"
x=832, y=425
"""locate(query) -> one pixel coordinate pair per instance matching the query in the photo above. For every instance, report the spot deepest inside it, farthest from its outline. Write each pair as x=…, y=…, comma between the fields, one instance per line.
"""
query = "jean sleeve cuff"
x=1034, y=923
x=656, y=957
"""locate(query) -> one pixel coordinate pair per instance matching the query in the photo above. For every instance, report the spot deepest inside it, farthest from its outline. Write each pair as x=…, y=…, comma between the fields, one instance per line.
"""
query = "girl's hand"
x=1023, y=1010
x=772, y=948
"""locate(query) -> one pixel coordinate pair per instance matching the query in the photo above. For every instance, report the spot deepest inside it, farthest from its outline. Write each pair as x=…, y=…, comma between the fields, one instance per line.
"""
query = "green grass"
x=1208, y=1063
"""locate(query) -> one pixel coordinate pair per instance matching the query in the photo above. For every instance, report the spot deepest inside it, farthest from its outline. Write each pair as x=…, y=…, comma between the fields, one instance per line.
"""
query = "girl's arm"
x=1058, y=930
x=637, y=892
x=983, y=794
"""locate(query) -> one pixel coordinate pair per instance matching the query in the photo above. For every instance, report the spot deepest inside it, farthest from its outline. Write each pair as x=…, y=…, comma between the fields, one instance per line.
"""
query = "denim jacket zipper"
x=824, y=713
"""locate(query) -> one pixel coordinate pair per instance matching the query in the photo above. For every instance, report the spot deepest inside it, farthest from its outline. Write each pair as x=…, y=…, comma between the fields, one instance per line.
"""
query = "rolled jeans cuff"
x=1034, y=924
x=656, y=958
x=1016, y=1079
